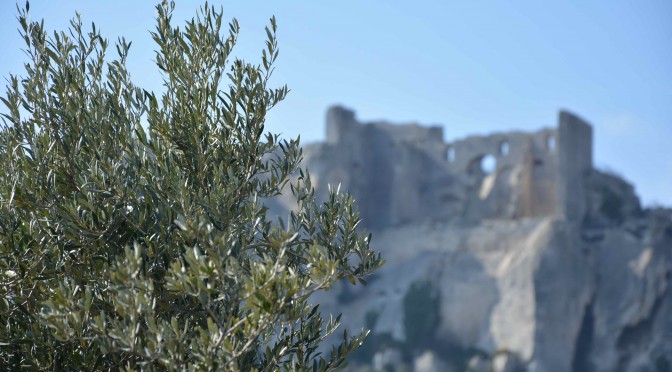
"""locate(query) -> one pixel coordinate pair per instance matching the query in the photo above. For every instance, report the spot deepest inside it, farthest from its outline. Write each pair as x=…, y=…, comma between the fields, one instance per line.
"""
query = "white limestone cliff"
x=542, y=259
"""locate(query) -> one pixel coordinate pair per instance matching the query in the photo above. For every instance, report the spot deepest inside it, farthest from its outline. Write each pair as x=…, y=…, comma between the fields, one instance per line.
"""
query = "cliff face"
x=532, y=253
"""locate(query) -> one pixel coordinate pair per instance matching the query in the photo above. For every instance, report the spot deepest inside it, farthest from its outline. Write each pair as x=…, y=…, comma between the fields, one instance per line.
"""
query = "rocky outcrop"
x=539, y=262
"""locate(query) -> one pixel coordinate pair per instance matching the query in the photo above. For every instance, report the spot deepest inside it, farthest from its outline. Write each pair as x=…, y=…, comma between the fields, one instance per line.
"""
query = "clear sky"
x=472, y=66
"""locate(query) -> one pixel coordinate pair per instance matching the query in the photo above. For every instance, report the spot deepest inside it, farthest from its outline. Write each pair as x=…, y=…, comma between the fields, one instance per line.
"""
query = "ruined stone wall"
x=576, y=163
x=402, y=173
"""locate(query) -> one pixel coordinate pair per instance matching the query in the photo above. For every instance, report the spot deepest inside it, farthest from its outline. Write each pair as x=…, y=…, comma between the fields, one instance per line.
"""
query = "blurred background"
x=472, y=67
x=535, y=265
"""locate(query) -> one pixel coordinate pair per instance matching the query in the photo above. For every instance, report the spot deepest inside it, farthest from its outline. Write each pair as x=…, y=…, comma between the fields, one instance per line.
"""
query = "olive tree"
x=133, y=227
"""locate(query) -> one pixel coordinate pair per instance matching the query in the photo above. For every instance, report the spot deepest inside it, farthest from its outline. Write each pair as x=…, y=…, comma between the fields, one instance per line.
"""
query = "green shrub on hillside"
x=421, y=315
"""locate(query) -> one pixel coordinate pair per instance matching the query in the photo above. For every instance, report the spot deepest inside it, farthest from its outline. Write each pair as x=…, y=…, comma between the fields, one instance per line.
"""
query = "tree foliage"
x=133, y=226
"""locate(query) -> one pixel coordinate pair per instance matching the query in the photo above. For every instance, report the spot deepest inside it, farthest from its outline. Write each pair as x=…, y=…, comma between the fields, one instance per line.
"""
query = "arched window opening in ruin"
x=450, y=154
x=550, y=143
x=488, y=164
x=504, y=148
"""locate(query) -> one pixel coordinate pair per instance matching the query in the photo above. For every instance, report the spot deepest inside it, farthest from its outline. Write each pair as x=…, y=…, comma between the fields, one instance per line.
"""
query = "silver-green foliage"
x=133, y=231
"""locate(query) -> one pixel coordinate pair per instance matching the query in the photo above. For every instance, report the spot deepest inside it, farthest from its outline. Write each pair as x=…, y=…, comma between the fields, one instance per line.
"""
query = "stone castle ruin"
x=407, y=173
x=534, y=255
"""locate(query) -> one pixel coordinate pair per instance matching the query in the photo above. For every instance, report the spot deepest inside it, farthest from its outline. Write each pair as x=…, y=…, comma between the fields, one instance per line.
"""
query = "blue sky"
x=472, y=66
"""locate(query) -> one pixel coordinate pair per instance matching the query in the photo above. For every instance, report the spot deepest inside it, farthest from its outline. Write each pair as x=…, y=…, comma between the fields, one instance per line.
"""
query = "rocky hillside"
x=506, y=252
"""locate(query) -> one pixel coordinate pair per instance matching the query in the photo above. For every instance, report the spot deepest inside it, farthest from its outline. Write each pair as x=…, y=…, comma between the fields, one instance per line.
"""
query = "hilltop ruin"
x=534, y=254
x=407, y=173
